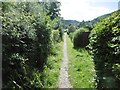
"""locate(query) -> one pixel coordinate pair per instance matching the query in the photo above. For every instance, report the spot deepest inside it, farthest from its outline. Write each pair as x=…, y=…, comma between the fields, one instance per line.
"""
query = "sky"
x=86, y=9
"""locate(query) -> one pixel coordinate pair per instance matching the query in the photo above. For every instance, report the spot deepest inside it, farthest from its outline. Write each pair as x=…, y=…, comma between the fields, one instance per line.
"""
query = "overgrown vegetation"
x=52, y=68
x=32, y=49
x=105, y=48
x=27, y=42
x=81, y=67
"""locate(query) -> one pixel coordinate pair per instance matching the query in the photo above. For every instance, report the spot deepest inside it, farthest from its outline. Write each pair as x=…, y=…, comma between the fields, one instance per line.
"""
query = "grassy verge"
x=51, y=70
x=81, y=67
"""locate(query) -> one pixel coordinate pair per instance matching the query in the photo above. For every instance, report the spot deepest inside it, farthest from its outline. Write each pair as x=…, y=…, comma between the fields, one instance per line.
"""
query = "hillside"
x=84, y=23
x=72, y=22
x=94, y=21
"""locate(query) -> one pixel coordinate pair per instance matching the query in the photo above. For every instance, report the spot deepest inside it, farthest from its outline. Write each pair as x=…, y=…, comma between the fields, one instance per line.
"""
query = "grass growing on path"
x=51, y=71
x=81, y=67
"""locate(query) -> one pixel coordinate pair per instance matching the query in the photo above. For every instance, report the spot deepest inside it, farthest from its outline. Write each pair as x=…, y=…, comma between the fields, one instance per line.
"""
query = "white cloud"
x=82, y=9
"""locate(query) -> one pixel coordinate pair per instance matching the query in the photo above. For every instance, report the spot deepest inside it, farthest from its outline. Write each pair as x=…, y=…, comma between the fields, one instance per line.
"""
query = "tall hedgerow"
x=26, y=43
x=105, y=48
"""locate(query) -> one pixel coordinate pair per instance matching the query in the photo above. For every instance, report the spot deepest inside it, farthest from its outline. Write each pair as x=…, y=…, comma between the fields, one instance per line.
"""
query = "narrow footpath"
x=63, y=78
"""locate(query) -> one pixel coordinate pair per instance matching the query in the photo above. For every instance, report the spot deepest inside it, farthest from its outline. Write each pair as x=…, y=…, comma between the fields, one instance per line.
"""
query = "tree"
x=52, y=8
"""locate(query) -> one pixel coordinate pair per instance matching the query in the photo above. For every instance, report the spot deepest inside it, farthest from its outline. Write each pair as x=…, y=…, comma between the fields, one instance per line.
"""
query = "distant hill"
x=98, y=19
x=94, y=21
x=72, y=22
x=86, y=23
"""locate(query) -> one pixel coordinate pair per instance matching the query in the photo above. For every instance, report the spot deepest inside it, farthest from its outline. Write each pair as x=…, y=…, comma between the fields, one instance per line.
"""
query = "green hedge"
x=26, y=43
x=56, y=36
x=80, y=38
x=105, y=47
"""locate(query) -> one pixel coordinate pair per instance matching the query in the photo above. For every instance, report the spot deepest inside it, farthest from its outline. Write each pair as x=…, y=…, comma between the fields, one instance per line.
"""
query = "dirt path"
x=63, y=78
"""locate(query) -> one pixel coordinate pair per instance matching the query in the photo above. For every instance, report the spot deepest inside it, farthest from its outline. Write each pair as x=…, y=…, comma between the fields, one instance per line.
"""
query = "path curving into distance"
x=63, y=78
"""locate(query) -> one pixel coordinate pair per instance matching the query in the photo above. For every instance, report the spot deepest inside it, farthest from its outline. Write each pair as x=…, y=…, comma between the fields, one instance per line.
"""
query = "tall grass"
x=50, y=75
x=81, y=67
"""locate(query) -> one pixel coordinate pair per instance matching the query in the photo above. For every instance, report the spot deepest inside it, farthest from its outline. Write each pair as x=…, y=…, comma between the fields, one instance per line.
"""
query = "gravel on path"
x=63, y=78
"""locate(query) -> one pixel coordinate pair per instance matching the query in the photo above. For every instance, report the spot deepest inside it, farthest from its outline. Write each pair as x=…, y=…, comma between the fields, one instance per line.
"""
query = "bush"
x=80, y=38
x=105, y=47
x=56, y=36
x=25, y=44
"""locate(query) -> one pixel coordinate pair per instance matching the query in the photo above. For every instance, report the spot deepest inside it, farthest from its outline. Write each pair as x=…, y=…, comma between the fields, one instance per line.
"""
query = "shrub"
x=25, y=44
x=56, y=36
x=105, y=47
x=80, y=38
